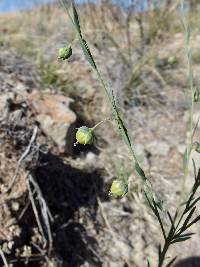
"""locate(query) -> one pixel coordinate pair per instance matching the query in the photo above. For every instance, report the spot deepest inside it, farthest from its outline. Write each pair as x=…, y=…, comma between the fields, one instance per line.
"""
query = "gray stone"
x=90, y=157
x=55, y=117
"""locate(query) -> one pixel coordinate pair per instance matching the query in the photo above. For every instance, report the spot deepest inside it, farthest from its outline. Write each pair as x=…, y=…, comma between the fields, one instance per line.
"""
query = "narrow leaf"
x=170, y=218
x=180, y=239
x=172, y=228
x=184, y=235
x=198, y=176
x=151, y=206
x=171, y=262
x=76, y=18
x=194, y=202
x=159, y=252
x=194, y=221
x=140, y=171
x=159, y=219
x=187, y=219
x=87, y=52
x=82, y=42
x=195, y=169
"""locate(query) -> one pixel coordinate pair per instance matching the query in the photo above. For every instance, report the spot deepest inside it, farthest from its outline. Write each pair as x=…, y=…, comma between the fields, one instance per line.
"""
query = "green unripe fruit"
x=172, y=60
x=65, y=52
x=119, y=188
x=84, y=135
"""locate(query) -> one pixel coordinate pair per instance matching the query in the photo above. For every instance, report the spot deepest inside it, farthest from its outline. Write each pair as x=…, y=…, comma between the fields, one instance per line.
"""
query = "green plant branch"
x=119, y=122
x=176, y=233
x=177, y=230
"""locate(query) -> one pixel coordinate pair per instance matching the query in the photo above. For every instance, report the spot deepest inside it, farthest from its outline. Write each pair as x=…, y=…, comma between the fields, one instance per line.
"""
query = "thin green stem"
x=98, y=124
x=163, y=253
x=116, y=115
x=187, y=32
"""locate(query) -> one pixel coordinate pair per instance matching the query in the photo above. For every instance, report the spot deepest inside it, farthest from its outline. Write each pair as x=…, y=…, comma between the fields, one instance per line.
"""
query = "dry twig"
x=3, y=258
x=45, y=212
x=24, y=155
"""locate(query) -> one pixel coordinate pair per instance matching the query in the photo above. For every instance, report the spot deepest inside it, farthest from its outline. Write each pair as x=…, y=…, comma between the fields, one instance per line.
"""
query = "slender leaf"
x=159, y=251
x=76, y=18
x=171, y=220
x=198, y=176
x=194, y=221
x=171, y=262
x=159, y=219
x=184, y=235
x=151, y=206
x=140, y=171
x=87, y=53
x=187, y=219
x=82, y=42
x=194, y=202
x=172, y=228
x=195, y=169
x=180, y=239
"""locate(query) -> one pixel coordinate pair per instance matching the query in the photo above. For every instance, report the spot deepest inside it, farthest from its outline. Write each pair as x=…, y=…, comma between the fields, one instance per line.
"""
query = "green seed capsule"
x=172, y=60
x=119, y=188
x=196, y=96
x=84, y=135
x=65, y=52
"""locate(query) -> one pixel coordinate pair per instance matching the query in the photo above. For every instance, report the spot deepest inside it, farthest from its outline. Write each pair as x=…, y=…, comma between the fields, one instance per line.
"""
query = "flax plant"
x=174, y=228
x=109, y=93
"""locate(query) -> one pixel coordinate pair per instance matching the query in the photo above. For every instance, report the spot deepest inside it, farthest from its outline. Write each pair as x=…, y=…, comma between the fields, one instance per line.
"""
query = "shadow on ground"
x=71, y=195
x=189, y=262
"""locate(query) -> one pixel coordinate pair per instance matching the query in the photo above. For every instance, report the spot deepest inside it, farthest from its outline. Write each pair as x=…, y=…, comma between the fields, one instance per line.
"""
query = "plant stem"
x=163, y=253
x=187, y=31
x=93, y=128
x=116, y=115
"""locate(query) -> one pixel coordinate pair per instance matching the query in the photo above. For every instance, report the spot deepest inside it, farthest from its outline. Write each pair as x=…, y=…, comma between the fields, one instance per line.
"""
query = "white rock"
x=55, y=117
x=90, y=157
x=54, y=129
x=15, y=206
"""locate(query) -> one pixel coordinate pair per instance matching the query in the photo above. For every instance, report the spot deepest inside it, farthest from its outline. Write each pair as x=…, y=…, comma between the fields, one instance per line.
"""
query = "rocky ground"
x=55, y=207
